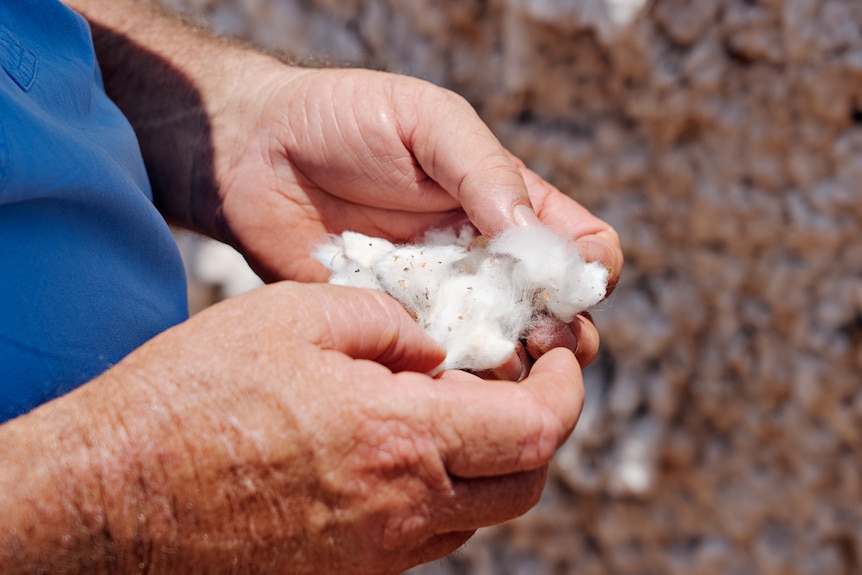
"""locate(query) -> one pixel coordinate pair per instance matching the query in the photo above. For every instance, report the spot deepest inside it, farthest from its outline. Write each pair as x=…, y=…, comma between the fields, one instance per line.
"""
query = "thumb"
x=457, y=150
x=367, y=324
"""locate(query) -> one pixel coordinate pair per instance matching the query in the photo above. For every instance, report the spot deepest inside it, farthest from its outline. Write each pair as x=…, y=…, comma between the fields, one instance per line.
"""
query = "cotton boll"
x=412, y=274
x=345, y=270
x=476, y=298
x=477, y=321
x=539, y=250
x=579, y=287
x=365, y=250
x=450, y=237
x=462, y=319
x=585, y=285
x=562, y=282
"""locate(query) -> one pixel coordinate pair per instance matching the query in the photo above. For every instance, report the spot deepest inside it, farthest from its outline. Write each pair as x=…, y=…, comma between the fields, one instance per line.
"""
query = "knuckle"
x=403, y=529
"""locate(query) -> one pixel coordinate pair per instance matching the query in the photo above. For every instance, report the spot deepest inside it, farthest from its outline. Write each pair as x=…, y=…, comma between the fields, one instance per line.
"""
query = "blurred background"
x=722, y=432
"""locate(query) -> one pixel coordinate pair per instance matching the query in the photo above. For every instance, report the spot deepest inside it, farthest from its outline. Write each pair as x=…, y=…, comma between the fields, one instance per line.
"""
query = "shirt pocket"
x=19, y=63
x=17, y=60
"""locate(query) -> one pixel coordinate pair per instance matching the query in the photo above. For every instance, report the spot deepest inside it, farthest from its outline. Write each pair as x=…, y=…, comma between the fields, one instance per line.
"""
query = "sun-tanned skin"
x=291, y=430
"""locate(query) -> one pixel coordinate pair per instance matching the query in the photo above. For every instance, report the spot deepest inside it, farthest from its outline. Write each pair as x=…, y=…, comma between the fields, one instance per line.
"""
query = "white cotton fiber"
x=476, y=298
x=553, y=270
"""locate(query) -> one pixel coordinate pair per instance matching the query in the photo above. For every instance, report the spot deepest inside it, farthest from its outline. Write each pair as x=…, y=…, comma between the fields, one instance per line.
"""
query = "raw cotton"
x=476, y=297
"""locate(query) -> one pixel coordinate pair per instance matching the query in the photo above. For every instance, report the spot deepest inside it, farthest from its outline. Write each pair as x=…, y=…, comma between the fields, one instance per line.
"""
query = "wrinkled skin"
x=334, y=455
x=382, y=154
x=387, y=156
x=292, y=430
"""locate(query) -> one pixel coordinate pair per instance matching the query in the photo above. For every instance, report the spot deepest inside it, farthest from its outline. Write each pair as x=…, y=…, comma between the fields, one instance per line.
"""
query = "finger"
x=549, y=333
x=440, y=546
x=365, y=324
x=458, y=151
x=515, y=368
x=489, y=428
x=436, y=546
x=455, y=377
x=587, y=335
x=480, y=502
x=580, y=337
x=484, y=501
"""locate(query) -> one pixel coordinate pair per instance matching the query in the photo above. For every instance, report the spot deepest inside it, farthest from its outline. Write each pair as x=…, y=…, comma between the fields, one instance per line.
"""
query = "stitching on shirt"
x=18, y=60
x=4, y=153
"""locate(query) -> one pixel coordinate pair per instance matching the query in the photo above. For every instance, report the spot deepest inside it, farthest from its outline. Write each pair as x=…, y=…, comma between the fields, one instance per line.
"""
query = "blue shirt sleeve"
x=88, y=268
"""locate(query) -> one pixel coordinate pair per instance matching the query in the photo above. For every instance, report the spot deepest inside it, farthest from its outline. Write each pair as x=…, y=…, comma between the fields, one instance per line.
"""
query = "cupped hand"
x=315, y=152
x=320, y=151
x=291, y=430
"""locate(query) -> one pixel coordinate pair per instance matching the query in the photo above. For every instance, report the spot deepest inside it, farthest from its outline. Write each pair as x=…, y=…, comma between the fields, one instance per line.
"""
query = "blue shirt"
x=88, y=268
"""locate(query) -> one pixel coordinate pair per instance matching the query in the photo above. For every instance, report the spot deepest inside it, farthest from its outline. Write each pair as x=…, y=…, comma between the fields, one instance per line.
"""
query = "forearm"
x=138, y=469
x=53, y=519
x=172, y=81
x=85, y=486
x=98, y=483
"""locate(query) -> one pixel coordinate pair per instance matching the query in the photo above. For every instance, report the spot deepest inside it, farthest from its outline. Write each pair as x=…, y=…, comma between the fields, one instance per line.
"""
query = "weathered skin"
x=288, y=430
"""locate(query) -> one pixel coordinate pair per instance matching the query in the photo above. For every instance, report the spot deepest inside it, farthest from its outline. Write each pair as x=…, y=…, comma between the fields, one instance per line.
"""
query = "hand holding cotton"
x=475, y=297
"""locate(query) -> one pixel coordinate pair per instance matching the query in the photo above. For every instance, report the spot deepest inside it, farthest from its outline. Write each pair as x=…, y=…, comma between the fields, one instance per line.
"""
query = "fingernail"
x=525, y=216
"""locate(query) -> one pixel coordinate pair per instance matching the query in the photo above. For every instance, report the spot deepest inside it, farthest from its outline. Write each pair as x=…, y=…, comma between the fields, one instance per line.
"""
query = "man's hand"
x=287, y=430
x=322, y=151
x=271, y=158
x=382, y=154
